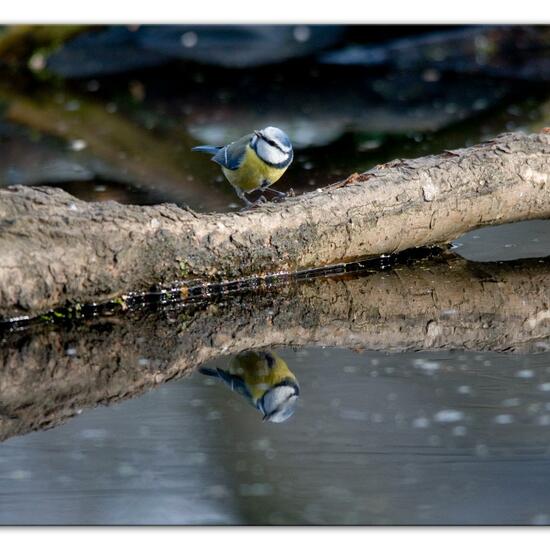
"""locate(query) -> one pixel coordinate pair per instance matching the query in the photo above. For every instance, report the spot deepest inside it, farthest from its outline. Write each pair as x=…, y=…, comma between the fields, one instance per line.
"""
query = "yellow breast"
x=253, y=172
x=258, y=377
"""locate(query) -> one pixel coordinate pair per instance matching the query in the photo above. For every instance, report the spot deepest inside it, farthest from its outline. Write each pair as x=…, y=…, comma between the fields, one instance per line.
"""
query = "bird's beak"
x=258, y=133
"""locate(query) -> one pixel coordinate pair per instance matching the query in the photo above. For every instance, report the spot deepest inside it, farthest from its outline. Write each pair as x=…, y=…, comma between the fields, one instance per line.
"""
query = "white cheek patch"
x=269, y=153
x=280, y=403
x=285, y=148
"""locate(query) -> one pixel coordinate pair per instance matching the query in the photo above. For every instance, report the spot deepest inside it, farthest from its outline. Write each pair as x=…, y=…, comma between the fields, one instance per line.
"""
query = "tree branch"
x=55, y=248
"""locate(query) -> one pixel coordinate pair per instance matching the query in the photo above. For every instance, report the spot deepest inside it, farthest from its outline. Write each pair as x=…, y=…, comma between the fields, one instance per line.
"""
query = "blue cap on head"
x=270, y=133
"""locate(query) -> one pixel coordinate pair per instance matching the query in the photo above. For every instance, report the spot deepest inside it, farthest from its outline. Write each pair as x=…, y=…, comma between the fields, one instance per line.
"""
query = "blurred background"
x=111, y=112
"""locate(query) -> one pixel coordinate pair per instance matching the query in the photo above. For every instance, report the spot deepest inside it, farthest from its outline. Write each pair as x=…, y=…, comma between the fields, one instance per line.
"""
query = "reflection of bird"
x=255, y=161
x=264, y=379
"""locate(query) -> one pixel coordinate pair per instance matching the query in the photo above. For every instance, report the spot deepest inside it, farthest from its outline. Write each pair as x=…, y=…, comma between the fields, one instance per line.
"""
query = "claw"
x=260, y=200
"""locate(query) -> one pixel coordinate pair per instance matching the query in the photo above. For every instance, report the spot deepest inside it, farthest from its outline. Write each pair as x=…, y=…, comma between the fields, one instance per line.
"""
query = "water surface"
x=414, y=437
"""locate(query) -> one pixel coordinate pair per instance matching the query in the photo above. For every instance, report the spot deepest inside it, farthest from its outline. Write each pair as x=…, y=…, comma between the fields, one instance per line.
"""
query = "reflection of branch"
x=18, y=42
x=50, y=373
x=128, y=152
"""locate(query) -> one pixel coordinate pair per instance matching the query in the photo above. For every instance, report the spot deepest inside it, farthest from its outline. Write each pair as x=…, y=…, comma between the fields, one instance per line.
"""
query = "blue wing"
x=236, y=383
x=231, y=156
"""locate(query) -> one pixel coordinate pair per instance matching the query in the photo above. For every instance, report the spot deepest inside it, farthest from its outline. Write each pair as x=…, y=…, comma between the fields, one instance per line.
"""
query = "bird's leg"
x=279, y=194
x=241, y=194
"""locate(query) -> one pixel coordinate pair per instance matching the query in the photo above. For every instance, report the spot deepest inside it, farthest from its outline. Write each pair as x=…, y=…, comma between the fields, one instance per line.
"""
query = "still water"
x=457, y=435
x=376, y=439
x=441, y=437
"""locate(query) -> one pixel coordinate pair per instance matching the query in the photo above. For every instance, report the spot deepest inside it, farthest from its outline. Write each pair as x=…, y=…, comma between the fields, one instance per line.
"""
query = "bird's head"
x=279, y=402
x=273, y=146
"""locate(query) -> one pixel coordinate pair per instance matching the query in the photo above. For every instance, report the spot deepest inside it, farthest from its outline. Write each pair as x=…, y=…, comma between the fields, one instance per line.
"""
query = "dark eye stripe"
x=273, y=144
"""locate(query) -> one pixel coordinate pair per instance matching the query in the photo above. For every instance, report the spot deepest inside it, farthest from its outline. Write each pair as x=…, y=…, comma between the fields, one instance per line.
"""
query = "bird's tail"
x=210, y=149
x=209, y=372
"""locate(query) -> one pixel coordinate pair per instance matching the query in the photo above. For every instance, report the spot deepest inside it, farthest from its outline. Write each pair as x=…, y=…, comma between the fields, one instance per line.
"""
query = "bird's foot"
x=249, y=205
x=279, y=195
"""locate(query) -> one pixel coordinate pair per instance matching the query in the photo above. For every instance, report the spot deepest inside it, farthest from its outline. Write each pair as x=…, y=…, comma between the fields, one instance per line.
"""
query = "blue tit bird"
x=265, y=381
x=256, y=161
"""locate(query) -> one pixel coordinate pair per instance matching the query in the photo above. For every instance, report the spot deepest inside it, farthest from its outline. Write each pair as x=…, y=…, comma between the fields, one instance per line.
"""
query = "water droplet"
x=302, y=33
x=93, y=434
x=350, y=414
x=480, y=104
x=448, y=415
x=19, y=475
x=261, y=444
x=431, y=75
x=525, y=373
x=428, y=366
x=78, y=145
x=421, y=422
x=72, y=105
x=504, y=419
x=189, y=39
x=214, y=415
x=511, y=402
x=126, y=469
x=369, y=145
x=37, y=62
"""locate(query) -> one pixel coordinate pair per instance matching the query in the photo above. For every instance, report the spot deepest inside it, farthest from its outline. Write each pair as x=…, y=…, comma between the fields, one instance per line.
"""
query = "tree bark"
x=49, y=373
x=56, y=249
